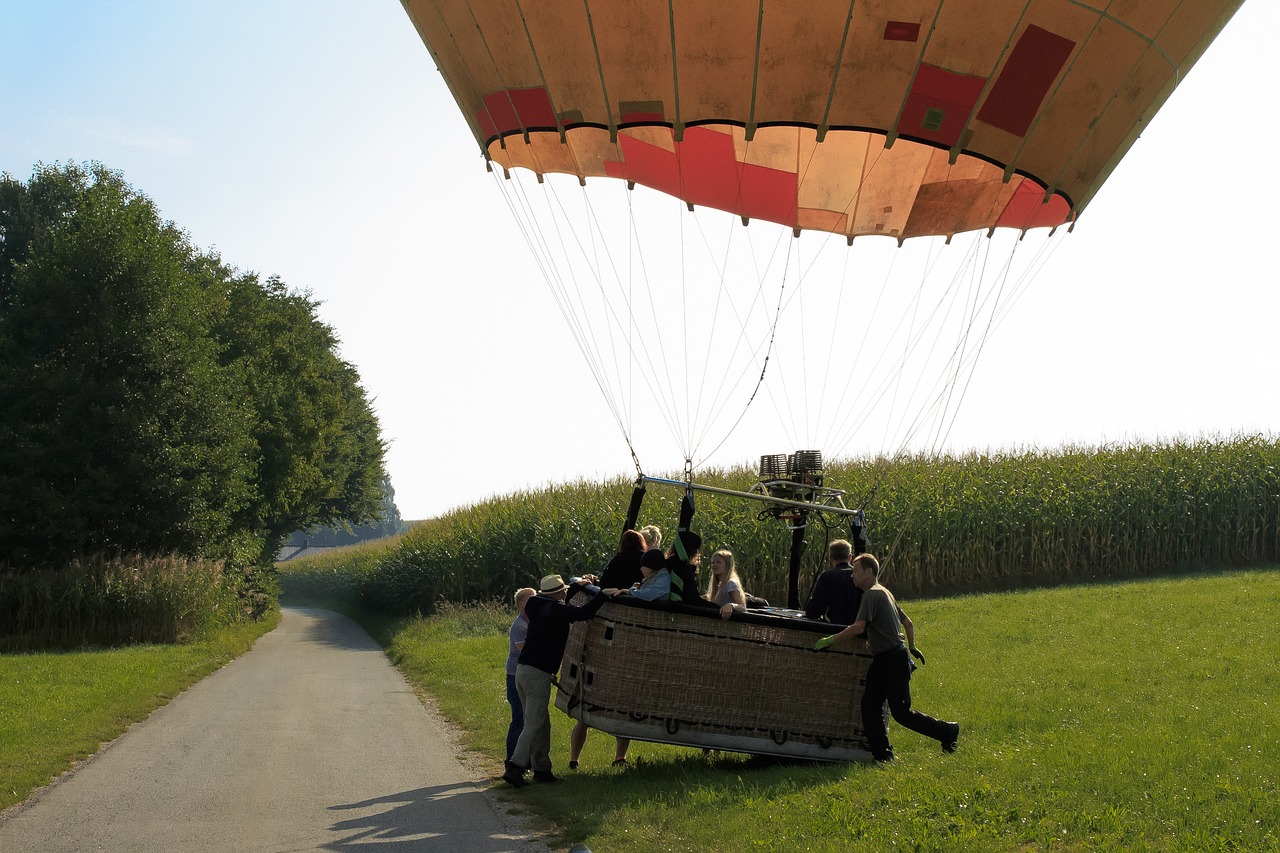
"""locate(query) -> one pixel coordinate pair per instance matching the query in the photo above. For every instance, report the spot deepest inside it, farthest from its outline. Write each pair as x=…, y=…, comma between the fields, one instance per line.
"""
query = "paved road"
x=311, y=741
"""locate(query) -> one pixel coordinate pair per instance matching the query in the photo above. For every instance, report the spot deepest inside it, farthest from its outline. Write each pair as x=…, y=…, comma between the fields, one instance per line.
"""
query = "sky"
x=314, y=140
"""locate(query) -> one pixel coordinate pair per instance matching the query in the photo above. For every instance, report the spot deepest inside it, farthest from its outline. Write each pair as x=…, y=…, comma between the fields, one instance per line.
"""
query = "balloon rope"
x=773, y=331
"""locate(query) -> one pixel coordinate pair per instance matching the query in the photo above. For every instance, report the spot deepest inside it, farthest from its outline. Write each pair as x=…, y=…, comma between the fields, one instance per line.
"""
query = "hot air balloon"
x=889, y=118
x=915, y=120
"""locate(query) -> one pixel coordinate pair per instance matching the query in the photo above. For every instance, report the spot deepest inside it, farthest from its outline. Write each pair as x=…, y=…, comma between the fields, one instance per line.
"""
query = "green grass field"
x=1124, y=716
x=56, y=708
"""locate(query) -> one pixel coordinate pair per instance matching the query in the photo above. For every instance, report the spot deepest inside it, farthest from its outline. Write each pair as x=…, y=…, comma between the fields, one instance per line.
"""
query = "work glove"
x=915, y=653
x=823, y=643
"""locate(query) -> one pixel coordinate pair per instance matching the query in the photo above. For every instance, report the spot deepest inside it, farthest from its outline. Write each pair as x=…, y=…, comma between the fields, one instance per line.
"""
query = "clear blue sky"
x=315, y=141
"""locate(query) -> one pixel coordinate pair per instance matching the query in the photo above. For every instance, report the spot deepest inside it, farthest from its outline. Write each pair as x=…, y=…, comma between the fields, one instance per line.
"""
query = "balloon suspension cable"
x=634, y=458
x=764, y=367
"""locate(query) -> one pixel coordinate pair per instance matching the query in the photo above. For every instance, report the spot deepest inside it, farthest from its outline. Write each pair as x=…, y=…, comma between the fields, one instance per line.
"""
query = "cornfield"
x=978, y=522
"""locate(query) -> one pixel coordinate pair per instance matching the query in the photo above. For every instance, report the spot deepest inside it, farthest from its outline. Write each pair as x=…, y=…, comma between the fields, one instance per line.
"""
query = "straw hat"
x=550, y=584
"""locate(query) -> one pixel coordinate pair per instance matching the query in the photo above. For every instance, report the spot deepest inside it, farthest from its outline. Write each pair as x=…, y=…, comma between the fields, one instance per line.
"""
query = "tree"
x=155, y=400
x=387, y=523
x=117, y=432
x=318, y=447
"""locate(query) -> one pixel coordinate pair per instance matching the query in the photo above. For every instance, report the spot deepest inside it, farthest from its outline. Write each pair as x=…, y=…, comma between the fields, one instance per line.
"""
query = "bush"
x=129, y=600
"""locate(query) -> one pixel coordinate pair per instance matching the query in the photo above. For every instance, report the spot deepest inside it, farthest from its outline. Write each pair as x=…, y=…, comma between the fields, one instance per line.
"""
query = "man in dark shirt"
x=889, y=676
x=549, y=620
x=835, y=597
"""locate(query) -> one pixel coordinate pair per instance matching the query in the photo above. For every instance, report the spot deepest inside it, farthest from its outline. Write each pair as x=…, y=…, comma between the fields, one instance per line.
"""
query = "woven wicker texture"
x=684, y=675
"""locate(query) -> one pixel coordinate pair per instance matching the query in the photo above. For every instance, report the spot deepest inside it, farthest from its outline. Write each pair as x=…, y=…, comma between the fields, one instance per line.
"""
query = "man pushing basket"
x=889, y=676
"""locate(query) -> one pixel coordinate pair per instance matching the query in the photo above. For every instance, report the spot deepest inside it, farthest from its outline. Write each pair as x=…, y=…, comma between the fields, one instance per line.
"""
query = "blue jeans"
x=517, y=716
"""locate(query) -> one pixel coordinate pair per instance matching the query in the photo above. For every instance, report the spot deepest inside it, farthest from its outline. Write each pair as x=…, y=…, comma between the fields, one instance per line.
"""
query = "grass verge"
x=59, y=707
x=1124, y=716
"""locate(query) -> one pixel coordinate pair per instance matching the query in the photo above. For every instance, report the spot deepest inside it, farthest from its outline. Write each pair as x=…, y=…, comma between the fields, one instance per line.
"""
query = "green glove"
x=823, y=643
x=917, y=655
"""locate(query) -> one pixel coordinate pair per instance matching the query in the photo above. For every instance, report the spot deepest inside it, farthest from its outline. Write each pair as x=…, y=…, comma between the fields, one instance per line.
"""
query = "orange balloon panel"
x=893, y=117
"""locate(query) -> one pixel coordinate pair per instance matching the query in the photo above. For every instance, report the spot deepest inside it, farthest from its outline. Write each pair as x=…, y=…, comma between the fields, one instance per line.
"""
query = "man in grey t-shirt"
x=889, y=676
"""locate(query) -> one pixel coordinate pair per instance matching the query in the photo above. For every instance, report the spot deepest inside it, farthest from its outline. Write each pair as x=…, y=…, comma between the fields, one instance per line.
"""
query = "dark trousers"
x=889, y=677
x=517, y=716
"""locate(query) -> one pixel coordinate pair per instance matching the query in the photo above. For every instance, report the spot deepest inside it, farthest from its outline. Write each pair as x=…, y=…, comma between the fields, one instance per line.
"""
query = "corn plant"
x=975, y=522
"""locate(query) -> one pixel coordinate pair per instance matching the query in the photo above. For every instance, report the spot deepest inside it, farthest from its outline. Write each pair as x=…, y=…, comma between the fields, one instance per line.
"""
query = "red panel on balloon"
x=902, y=31
x=515, y=109
x=704, y=170
x=1020, y=89
x=939, y=105
x=1028, y=209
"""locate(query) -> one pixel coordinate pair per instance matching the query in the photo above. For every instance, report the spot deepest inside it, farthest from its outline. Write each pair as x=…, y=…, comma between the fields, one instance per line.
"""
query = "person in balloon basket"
x=549, y=620
x=652, y=535
x=889, y=676
x=515, y=644
x=655, y=583
x=725, y=587
x=622, y=572
x=835, y=597
x=683, y=560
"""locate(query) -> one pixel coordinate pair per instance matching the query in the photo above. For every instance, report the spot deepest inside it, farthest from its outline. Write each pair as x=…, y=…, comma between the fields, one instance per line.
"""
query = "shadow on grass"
x=589, y=799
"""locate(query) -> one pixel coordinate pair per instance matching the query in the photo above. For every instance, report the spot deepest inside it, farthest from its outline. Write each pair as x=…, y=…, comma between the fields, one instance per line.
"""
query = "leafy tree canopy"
x=155, y=399
x=387, y=523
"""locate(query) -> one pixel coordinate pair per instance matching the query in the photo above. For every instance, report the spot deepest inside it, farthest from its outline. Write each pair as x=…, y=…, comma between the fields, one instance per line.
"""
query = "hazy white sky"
x=315, y=141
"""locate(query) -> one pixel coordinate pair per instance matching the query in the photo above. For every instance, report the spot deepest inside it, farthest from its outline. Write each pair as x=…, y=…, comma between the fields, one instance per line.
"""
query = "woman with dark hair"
x=622, y=572
x=683, y=560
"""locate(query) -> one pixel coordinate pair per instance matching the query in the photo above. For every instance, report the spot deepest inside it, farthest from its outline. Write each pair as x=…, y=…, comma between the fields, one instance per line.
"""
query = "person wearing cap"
x=549, y=620
x=656, y=584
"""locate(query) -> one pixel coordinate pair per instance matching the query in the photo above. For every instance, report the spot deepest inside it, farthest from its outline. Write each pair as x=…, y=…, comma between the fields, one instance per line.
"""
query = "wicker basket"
x=673, y=674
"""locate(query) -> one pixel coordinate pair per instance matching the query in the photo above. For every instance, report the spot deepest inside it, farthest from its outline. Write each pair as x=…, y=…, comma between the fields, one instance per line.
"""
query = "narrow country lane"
x=311, y=741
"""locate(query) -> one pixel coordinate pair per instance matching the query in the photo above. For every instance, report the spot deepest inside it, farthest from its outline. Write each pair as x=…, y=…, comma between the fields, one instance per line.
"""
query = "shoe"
x=619, y=762
x=545, y=776
x=514, y=775
x=573, y=764
x=952, y=740
x=884, y=757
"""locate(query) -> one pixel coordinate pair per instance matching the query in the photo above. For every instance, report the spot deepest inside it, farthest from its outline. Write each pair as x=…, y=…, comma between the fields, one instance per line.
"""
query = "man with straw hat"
x=549, y=620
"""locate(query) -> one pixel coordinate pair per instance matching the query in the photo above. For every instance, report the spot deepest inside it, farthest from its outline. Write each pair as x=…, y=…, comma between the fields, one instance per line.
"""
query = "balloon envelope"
x=892, y=117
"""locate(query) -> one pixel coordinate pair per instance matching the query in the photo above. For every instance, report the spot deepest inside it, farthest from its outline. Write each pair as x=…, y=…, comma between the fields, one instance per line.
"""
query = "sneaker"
x=545, y=776
x=952, y=740
x=514, y=775
x=883, y=757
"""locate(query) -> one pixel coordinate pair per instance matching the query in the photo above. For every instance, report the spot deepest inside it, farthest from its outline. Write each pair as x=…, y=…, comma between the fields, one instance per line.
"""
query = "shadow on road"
x=413, y=822
x=335, y=630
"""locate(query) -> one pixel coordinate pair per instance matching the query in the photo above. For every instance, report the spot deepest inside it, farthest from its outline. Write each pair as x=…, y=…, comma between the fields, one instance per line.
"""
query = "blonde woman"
x=652, y=534
x=725, y=589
